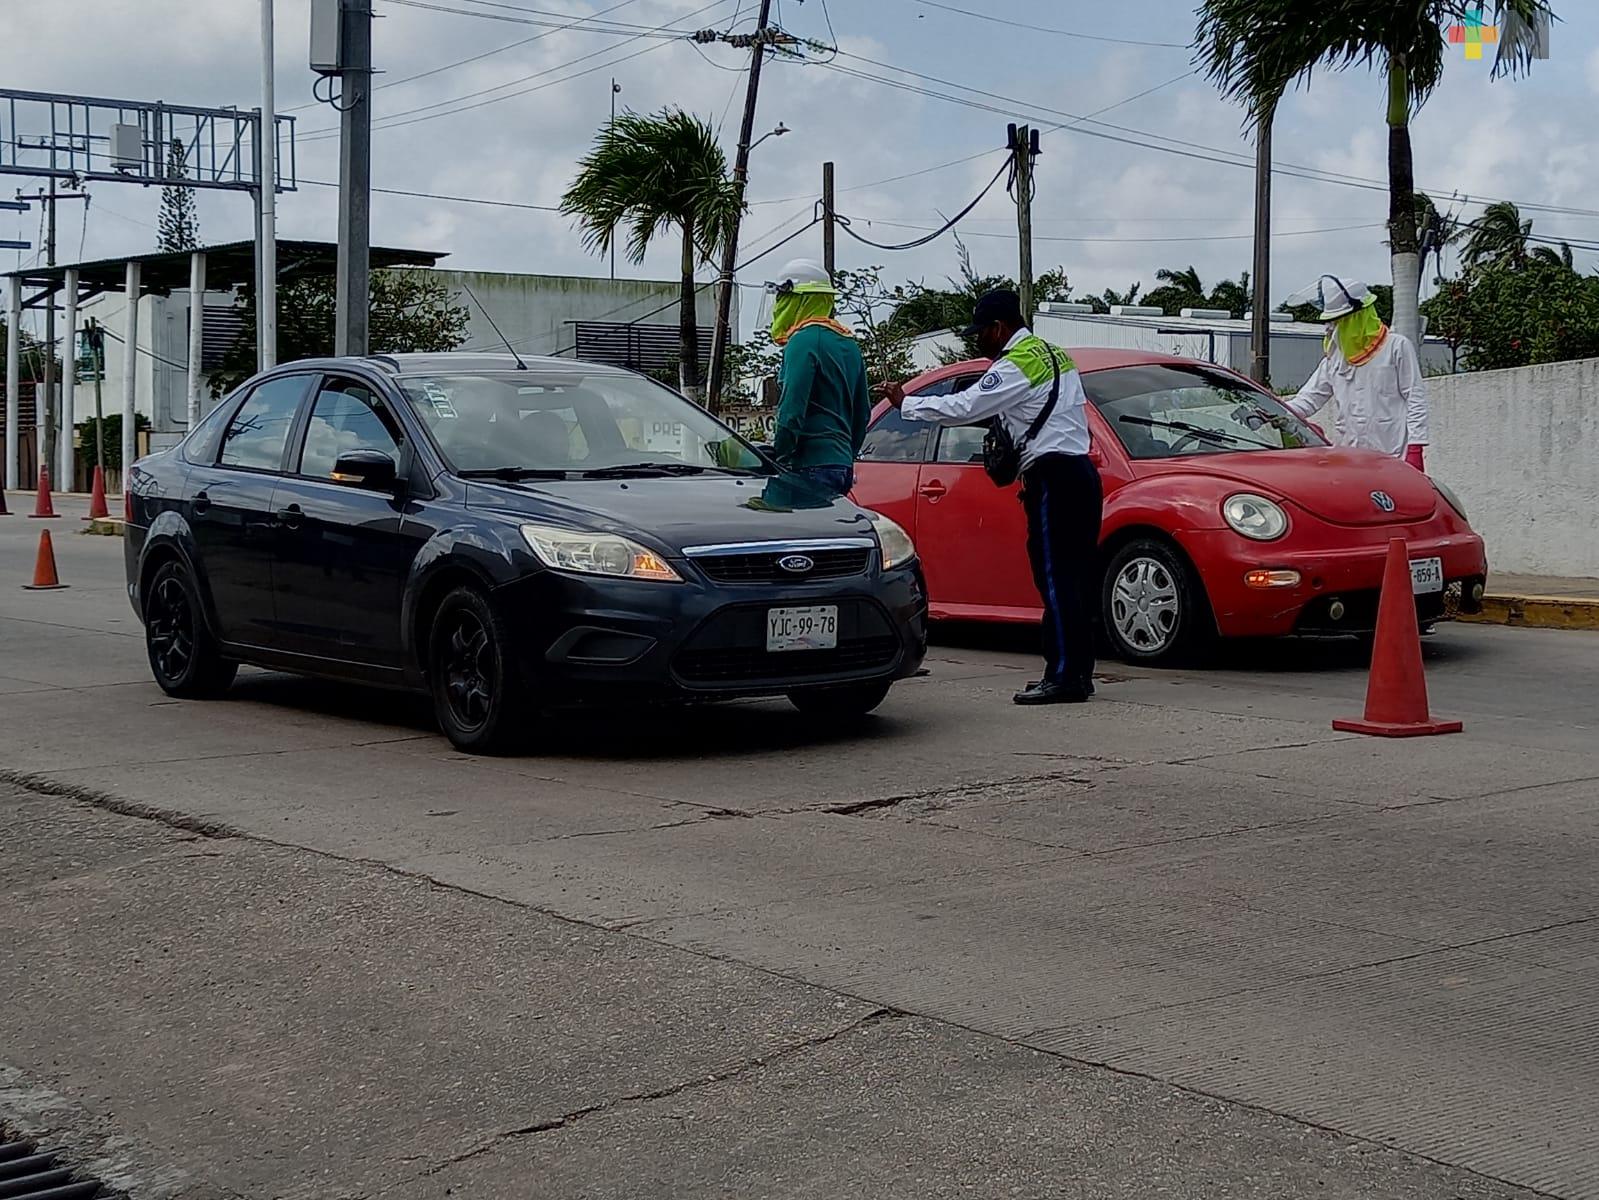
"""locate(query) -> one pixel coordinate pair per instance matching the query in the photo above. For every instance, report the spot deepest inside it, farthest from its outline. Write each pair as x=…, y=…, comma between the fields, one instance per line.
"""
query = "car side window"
x=201, y=444
x=894, y=439
x=347, y=415
x=961, y=444
x=259, y=430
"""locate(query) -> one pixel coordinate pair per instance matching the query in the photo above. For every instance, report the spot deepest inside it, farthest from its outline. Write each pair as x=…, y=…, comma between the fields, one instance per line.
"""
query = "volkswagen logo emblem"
x=795, y=564
x=1383, y=501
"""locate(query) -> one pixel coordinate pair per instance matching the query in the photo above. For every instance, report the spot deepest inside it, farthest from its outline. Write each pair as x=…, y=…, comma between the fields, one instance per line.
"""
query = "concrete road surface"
x=1183, y=941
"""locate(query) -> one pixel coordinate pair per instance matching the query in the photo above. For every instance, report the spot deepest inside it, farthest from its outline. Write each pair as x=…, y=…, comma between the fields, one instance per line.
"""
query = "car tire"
x=1154, y=606
x=184, y=656
x=478, y=696
x=841, y=701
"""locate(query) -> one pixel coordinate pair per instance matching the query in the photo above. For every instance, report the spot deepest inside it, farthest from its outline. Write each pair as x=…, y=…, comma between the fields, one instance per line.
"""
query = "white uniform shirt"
x=1004, y=391
x=1382, y=404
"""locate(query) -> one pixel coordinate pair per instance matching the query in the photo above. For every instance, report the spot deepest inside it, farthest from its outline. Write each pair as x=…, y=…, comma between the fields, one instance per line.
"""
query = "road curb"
x=1538, y=612
x=104, y=526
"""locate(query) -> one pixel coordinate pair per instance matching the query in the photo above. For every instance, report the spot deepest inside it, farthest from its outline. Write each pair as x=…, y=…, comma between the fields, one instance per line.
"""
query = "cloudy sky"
x=495, y=107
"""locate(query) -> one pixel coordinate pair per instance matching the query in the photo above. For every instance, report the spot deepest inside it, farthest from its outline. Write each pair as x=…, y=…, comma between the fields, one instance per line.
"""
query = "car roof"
x=455, y=360
x=1088, y=359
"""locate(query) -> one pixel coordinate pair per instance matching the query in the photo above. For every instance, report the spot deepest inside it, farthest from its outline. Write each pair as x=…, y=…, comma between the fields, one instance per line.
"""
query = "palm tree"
x=1187, y=279
x=1555, y=258
x=1254, y=49
x=653, y=173
x=1233, y=295
x=1498, y=237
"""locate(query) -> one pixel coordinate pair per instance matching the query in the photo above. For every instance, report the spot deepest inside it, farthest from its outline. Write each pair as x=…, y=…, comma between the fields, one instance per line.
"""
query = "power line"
x=1071, y=33
x=1184, y=149
x=461, y=62
x=1228, y=237
x=388, y=120
x=565, y=21
x=549, y=208
x=844, y=222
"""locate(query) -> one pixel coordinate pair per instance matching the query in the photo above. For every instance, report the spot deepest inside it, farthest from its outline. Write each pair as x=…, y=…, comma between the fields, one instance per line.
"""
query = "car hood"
x=677, y=512
x=1336, y=484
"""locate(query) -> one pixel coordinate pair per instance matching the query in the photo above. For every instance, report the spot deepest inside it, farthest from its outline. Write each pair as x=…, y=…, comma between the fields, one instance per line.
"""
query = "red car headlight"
x=1254, y=516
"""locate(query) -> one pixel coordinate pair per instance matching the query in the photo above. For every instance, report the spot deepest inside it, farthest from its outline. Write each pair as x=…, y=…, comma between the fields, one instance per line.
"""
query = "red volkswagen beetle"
x=1224, y=513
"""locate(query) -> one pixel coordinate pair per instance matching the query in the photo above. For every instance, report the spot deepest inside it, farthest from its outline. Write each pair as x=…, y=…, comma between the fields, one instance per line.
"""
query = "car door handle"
x=933, y=490
x=291, y=516
x=202, y=503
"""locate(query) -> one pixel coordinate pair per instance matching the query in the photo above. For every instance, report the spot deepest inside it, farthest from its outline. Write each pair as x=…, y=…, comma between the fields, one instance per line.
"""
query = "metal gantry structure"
x=84, y=139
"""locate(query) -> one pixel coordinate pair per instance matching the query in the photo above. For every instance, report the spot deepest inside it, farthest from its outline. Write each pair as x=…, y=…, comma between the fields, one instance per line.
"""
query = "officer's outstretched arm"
x=1001, y=387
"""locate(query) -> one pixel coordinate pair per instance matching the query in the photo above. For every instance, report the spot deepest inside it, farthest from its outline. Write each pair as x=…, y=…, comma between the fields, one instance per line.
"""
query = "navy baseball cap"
x=1001, y=304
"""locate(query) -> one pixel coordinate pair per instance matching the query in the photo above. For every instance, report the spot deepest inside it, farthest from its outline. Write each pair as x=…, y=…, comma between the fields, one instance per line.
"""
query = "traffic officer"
x=1373, y=373
x=1060, y=486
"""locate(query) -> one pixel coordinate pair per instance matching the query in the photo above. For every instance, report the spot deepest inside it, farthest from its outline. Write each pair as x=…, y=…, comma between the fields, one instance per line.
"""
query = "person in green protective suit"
x=824, y=402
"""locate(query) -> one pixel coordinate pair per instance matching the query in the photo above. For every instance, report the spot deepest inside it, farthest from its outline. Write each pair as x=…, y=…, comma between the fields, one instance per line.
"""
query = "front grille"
x=741, y=664
x=27, y=1173
x=761, y=566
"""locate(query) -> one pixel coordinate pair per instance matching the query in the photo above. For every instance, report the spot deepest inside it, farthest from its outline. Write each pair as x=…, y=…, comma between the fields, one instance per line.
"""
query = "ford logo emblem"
x=1383, y=501
x=795, y=564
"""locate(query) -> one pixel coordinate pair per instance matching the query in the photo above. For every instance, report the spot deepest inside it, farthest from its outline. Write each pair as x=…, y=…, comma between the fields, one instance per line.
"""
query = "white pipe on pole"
x=130, y=372
x=268, y=318
x=14, y=385
x=196, y=332
x=67, y=459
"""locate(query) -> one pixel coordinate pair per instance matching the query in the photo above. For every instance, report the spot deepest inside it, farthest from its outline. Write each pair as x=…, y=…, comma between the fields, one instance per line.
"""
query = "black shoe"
x=1088, y=684
x=1047, y=692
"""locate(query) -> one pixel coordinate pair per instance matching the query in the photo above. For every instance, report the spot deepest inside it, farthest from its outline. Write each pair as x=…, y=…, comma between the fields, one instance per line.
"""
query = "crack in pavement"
x=875, y=1017
x=90, y=796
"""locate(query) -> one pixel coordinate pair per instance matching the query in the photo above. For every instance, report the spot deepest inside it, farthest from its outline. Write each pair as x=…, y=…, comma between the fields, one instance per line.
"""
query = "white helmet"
x=802, y=275
x=1335, y=297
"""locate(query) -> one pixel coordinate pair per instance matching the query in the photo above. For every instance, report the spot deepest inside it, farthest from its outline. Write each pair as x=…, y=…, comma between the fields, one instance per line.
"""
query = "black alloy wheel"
x=477, y=694
x=184, y=657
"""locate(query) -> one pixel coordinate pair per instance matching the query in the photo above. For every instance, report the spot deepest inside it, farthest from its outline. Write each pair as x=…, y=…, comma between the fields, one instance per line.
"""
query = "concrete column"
x=196, y=331
x=130, y=371
x=67, y=460
x=14, y=385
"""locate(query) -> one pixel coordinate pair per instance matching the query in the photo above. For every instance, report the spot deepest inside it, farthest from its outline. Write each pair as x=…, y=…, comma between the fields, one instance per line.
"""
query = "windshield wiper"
x=512, y=474
x=622, y=470
x=1217, y=437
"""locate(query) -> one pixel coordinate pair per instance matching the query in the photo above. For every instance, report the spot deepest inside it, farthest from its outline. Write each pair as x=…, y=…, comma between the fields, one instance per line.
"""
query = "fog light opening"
x=1477, y=593
x=1262, y=578
x=1336, y=609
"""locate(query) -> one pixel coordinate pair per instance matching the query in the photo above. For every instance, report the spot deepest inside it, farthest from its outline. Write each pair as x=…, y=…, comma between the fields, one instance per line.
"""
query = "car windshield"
x=1164, y=411
x=527, y=424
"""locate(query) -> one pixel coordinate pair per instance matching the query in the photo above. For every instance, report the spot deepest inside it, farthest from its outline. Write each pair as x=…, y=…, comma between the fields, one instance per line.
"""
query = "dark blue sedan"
x=508, y=537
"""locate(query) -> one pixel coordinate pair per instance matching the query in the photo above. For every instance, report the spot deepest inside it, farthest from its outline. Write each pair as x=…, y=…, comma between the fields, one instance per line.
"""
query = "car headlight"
x=1448, y=494
x=895, y=542
x=1255, y=516
x=596, y=554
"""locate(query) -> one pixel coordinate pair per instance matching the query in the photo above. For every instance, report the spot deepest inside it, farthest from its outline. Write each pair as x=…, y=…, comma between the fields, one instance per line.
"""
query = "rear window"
x=1163, y=411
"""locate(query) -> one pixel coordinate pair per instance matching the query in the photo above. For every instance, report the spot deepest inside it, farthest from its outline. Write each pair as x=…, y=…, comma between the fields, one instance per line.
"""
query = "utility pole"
x=1260, y=318
x=741, y=170
x=829, y=232
x=1024, y=148
x=46, y=404
x=615, y=88
x=266, y=300
x=97, y=345
x=355, y=178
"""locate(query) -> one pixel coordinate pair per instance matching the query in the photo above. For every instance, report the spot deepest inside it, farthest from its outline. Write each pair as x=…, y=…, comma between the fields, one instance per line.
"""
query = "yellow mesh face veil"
x=1359, y=333
x=791, y=308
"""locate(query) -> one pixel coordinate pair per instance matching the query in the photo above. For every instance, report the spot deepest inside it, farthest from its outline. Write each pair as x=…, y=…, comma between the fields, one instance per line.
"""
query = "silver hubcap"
x=1144, y=606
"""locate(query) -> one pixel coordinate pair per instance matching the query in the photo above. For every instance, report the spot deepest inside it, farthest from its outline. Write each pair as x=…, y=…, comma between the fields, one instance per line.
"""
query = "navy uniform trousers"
x=1064, y=501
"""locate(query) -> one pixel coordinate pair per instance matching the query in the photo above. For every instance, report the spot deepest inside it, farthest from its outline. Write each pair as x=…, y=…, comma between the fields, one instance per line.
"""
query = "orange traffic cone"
x=97, y=506
x=45, y=578
x=42, y=506
x=1396, y=694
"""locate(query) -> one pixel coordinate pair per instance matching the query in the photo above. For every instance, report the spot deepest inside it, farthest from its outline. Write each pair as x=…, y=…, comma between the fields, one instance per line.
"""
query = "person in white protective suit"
x=1373, y=373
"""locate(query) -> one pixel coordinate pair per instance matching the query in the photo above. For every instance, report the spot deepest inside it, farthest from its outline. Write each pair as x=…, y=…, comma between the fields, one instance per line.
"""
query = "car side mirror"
x=370, y=469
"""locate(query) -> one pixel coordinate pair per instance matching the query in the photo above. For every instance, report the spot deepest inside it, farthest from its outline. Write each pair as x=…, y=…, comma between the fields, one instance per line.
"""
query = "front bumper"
x=1350, y=575
x=587, y=639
